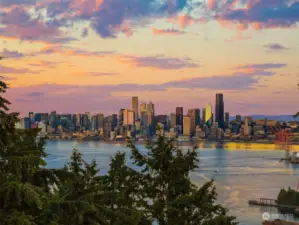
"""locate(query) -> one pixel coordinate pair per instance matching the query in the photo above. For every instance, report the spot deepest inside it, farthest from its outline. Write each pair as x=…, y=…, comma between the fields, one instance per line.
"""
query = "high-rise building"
x=150, y=108
x=172, y=120
x=121, y=117
x=208, y=115
x=203, y=116
x=226, y=117
x=150, y=113
x=135, y=106
x=219, y=110
x=100, y=120
x=194, y=114
x=129, y=117
x=31, y=116
x=246, y=126
x=238, y=119
x=187, y=126
x=179, y=111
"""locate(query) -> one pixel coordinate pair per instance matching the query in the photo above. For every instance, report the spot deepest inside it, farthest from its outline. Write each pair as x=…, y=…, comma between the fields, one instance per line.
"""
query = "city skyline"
x=90, y=58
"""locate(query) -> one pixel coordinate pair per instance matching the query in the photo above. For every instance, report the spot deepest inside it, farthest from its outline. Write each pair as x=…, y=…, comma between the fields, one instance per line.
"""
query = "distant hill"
x=270, y=117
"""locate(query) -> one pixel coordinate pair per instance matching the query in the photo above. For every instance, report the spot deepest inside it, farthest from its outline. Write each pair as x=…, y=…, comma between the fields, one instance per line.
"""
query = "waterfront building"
x=43, y=127
x=135, y=107
x=246, y=126
x=187, y=126
x=219, y=110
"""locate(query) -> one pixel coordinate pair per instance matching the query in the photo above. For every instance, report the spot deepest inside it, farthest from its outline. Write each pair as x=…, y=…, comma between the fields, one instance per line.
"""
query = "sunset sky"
x=94, y=55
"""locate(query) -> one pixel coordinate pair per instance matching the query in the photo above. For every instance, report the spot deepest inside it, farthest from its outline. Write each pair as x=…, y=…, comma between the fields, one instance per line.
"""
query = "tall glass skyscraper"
x=219, y=110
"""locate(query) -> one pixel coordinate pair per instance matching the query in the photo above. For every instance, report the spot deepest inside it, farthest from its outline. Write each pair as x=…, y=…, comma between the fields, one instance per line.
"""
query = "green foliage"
x=288, y=197
x=172, y=199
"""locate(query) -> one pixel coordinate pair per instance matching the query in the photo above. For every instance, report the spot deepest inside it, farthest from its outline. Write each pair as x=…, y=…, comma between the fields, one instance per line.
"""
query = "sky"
x=93, y=55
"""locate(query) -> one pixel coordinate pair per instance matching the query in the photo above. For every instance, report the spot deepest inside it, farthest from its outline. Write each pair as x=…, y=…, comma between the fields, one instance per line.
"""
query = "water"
x=243, y=173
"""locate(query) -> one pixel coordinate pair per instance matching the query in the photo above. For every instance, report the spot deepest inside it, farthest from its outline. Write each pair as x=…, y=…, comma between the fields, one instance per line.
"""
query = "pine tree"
x=24, y=180
x=172, y=199
x=121, y=184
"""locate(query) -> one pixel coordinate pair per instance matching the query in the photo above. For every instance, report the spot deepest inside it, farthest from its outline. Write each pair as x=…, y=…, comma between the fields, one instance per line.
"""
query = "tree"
x=89, y=197
x=172, y=199
x=24, y=179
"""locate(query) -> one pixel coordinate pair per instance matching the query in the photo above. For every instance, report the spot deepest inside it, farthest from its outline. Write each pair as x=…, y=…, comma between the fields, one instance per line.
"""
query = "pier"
x=273, y=203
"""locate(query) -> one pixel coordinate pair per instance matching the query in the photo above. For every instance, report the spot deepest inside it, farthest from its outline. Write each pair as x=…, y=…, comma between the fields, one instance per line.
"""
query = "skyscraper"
x=129, y=117
x=219, y=110
x=203, y=116
x=121, y=117
x=172, y=120
x=179, y=112
x=150, y=112
x=135, y=106
x=208, y=115
x=193, y=114
x=226, y=117
x=187, y=126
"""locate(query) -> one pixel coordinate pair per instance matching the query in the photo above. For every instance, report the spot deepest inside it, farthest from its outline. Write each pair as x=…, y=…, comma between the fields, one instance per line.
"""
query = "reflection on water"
x=246, y=171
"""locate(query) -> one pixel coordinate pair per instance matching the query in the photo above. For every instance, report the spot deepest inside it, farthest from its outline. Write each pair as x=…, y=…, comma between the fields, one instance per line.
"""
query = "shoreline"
x=190, y=141
x=227, y=144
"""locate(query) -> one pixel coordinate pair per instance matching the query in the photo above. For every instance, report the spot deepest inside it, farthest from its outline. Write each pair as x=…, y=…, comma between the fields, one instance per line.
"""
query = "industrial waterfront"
x=244, y=171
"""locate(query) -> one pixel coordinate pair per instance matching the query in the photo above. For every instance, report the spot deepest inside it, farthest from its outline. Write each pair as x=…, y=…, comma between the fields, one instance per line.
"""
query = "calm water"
x=243, y=174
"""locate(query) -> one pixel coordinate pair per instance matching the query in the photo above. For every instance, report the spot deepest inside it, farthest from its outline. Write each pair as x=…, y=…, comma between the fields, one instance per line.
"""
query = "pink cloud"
x=156, y=31
x=211, y=4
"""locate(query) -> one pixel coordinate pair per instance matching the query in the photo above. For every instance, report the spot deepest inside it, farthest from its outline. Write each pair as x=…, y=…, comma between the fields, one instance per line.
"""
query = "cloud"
x=54, y=49
x=156, y=31
x=159, y=62
x=107, y=18
x=9, y=3
x=262, y=66
x=260, y=14
x=35, y=94
x=5, y=69
x=11, y=54
x=45, y=64
x=275, y=47
x=98, y=74
x=19, y=23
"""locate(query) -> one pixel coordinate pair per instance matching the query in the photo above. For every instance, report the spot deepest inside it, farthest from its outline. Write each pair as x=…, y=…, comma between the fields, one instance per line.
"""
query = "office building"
x=100, y=121
x=208, y=115
x=203, y=116
x=247, y=127
x=219, y=110
x=179, y=111
x=193, y=114
x=129, y=117
x=226, y=117
x=172, y=120
x=135, y=107
x=150, y=109
x=238, y=119
x=186, y=126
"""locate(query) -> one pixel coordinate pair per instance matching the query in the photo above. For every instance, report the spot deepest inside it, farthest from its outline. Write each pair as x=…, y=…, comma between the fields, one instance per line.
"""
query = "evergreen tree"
x=89, y=198
x=172, y=199
x=121, y=184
